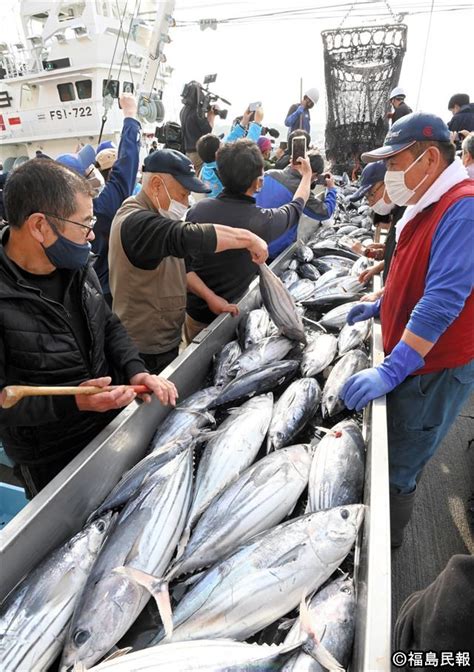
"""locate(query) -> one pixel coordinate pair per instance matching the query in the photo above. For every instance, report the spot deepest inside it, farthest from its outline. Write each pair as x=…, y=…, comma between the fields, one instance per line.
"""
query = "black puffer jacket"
x=38, y=347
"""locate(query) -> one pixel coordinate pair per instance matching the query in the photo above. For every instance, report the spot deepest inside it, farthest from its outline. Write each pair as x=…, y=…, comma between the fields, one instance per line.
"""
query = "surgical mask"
x=65, y=253
x=176, y=210
x=381, y=207
x=396, y=187
x=95, y=179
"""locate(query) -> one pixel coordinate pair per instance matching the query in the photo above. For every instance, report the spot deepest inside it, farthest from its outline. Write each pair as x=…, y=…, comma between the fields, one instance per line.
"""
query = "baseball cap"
x=106, y=144
x=106, y=158
x=372, y=173
x=172, y=162
x=80, y=161
x=414, y=127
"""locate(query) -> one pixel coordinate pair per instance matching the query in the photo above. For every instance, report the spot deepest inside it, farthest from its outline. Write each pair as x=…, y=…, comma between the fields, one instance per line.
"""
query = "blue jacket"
x=119, y=186
x=209, y=170
x=279, y=187
x=298, y=117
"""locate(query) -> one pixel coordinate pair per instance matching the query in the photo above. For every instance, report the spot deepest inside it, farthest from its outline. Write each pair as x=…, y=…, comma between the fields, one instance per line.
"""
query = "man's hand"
x=329, y=181
x=258, y=249
x=304, y=102
x=373, y=296
x=211, y=117
x=367, y=275
x=244, y=122
x=376, y=251
x=104, y=401
x=303, y=166
x=129, y=105
x=164, y=389
x=219, y=305
x=258, y=117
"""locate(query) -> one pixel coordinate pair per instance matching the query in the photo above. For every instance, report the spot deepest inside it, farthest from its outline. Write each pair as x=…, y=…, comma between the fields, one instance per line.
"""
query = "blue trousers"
x=420, y=412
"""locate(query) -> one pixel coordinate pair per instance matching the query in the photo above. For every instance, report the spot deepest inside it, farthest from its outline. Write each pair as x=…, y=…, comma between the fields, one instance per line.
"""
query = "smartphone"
x=298, y=148
x=253, y=106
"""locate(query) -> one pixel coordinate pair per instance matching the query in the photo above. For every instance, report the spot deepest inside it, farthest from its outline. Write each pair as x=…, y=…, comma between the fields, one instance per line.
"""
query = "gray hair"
x=468, y=145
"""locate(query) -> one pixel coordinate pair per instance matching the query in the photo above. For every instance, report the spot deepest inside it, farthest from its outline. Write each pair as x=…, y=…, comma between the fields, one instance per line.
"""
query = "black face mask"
x=65, y=253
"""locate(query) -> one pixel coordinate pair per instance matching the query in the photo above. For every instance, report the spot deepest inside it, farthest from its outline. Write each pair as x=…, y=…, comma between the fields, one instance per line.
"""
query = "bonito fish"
x=294, y=408
x=280, y=305
x=347, y=366
x=34, y=618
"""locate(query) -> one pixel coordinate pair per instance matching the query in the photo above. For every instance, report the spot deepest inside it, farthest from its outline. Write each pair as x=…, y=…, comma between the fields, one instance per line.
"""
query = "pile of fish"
x=244, y=509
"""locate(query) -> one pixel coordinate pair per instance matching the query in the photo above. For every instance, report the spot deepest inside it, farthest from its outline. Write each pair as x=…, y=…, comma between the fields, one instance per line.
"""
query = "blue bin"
x=12, y=500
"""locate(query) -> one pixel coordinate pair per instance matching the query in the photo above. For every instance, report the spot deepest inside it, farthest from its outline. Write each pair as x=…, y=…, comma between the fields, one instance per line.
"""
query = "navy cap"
x=178, y=165
x=80, y=161
x=373, y=173
x=414, y=127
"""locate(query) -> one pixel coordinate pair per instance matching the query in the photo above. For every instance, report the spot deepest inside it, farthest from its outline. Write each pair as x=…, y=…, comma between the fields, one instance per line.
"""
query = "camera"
x=201, y=99
x=170, y=135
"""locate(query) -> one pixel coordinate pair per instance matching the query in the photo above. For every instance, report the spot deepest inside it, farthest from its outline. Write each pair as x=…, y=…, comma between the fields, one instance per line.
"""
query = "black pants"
x=156, y=363
x=35, y=477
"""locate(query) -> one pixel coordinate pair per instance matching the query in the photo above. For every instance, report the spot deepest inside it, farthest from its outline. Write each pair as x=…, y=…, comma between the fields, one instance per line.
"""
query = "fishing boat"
x=60, y=86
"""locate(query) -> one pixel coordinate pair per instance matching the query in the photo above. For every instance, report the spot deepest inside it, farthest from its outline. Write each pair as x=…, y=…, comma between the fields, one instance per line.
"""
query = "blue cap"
x=80, y=161
x=414, y=127
x=178, y=165
x=107, y=144
x=373, y=173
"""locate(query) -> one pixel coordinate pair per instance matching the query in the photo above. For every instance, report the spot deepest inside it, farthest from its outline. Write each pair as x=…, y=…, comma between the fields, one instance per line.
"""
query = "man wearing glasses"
x=56, y=328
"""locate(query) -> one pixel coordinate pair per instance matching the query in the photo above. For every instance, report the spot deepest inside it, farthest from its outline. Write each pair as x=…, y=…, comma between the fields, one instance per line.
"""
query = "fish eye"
x=81, y=637
x=100, y=526
x=345, y=514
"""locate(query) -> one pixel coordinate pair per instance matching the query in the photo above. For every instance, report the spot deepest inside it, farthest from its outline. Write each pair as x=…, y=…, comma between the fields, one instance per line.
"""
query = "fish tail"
x=158, y=589
x=313, y=646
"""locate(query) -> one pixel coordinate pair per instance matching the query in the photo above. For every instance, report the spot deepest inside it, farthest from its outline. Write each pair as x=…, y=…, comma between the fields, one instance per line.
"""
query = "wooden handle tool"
x=14, y=393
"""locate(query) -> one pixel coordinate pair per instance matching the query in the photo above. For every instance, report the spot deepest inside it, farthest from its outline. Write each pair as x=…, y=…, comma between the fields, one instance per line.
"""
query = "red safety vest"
x=406, y=285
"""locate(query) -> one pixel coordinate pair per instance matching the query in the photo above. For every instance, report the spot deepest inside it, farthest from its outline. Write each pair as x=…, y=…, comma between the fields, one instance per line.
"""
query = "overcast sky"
x=264, y=59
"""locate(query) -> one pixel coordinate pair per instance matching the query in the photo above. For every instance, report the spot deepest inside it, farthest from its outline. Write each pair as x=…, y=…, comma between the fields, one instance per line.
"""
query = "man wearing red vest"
x=427, y=311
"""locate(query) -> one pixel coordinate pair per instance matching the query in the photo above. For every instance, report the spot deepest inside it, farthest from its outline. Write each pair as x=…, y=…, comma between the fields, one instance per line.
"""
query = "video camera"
x=199, y=97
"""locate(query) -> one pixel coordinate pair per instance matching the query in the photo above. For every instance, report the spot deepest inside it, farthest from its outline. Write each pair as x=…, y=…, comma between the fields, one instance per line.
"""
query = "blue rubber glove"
x=363, y=311
x=372, y=383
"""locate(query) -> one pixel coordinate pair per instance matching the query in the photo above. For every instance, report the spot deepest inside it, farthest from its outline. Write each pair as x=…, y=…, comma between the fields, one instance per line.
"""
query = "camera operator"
x=194, y=123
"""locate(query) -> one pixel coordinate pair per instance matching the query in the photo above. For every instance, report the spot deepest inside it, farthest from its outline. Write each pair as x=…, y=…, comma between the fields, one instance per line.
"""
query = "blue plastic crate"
x=12, y=500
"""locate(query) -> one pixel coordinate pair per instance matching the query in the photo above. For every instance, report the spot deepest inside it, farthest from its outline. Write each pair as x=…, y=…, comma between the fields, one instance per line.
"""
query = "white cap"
x=397, y=92
x=312, y=94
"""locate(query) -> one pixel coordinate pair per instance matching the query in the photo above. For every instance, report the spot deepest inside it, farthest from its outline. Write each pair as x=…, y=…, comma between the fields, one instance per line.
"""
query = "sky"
x=264, y=60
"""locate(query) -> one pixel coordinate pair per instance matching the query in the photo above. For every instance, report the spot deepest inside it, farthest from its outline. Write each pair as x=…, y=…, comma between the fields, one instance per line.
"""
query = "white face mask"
x=176, y=210
x=397, y=190
x=95, y=179
x=381, y=207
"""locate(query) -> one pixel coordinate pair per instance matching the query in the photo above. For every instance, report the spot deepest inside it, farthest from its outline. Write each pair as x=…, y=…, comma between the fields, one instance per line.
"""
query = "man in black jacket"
x=463, y=116
x=56, y=328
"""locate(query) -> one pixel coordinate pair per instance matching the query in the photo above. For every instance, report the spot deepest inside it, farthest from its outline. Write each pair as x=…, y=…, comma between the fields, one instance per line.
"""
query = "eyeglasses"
x=87, y=227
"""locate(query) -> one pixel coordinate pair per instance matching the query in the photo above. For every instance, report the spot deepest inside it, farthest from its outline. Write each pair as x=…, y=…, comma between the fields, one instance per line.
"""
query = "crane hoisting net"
x=362, y=65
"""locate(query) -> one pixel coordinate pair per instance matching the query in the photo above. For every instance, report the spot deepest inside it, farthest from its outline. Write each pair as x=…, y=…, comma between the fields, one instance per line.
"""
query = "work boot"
x=401, y=507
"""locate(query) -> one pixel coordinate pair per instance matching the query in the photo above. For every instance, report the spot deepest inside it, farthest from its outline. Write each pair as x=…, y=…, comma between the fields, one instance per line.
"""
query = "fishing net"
x=362, y=65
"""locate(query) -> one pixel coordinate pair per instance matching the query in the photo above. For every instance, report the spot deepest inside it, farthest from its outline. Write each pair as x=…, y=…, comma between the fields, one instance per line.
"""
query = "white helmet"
x=313, y=95
x=397, y=92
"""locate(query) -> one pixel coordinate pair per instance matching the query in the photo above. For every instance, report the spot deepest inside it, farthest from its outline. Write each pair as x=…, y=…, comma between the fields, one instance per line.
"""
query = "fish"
x=346, y=230
x=261, y=497
x=309, y=272
x=353, y=336
x=329, y=277
x=144, y=539
x=342, y=291
x=223, y=361
x=229, y=453
x=293, y=265
x=332, y=261
x=201, y=655
x=280, y=305
x=333, y=611
x=35, y=616
x=256, y=327
x=257, y=382
x=337, y=317
x=318, y=354
x=361, y=265
x=304, y=254
x=268, y=351
x=289, y=277
x=189, y=414
x=266, y=577
x=301, y=289
x=333, y=248
x=337, y=470
x=294, y=408
x=351, y=363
